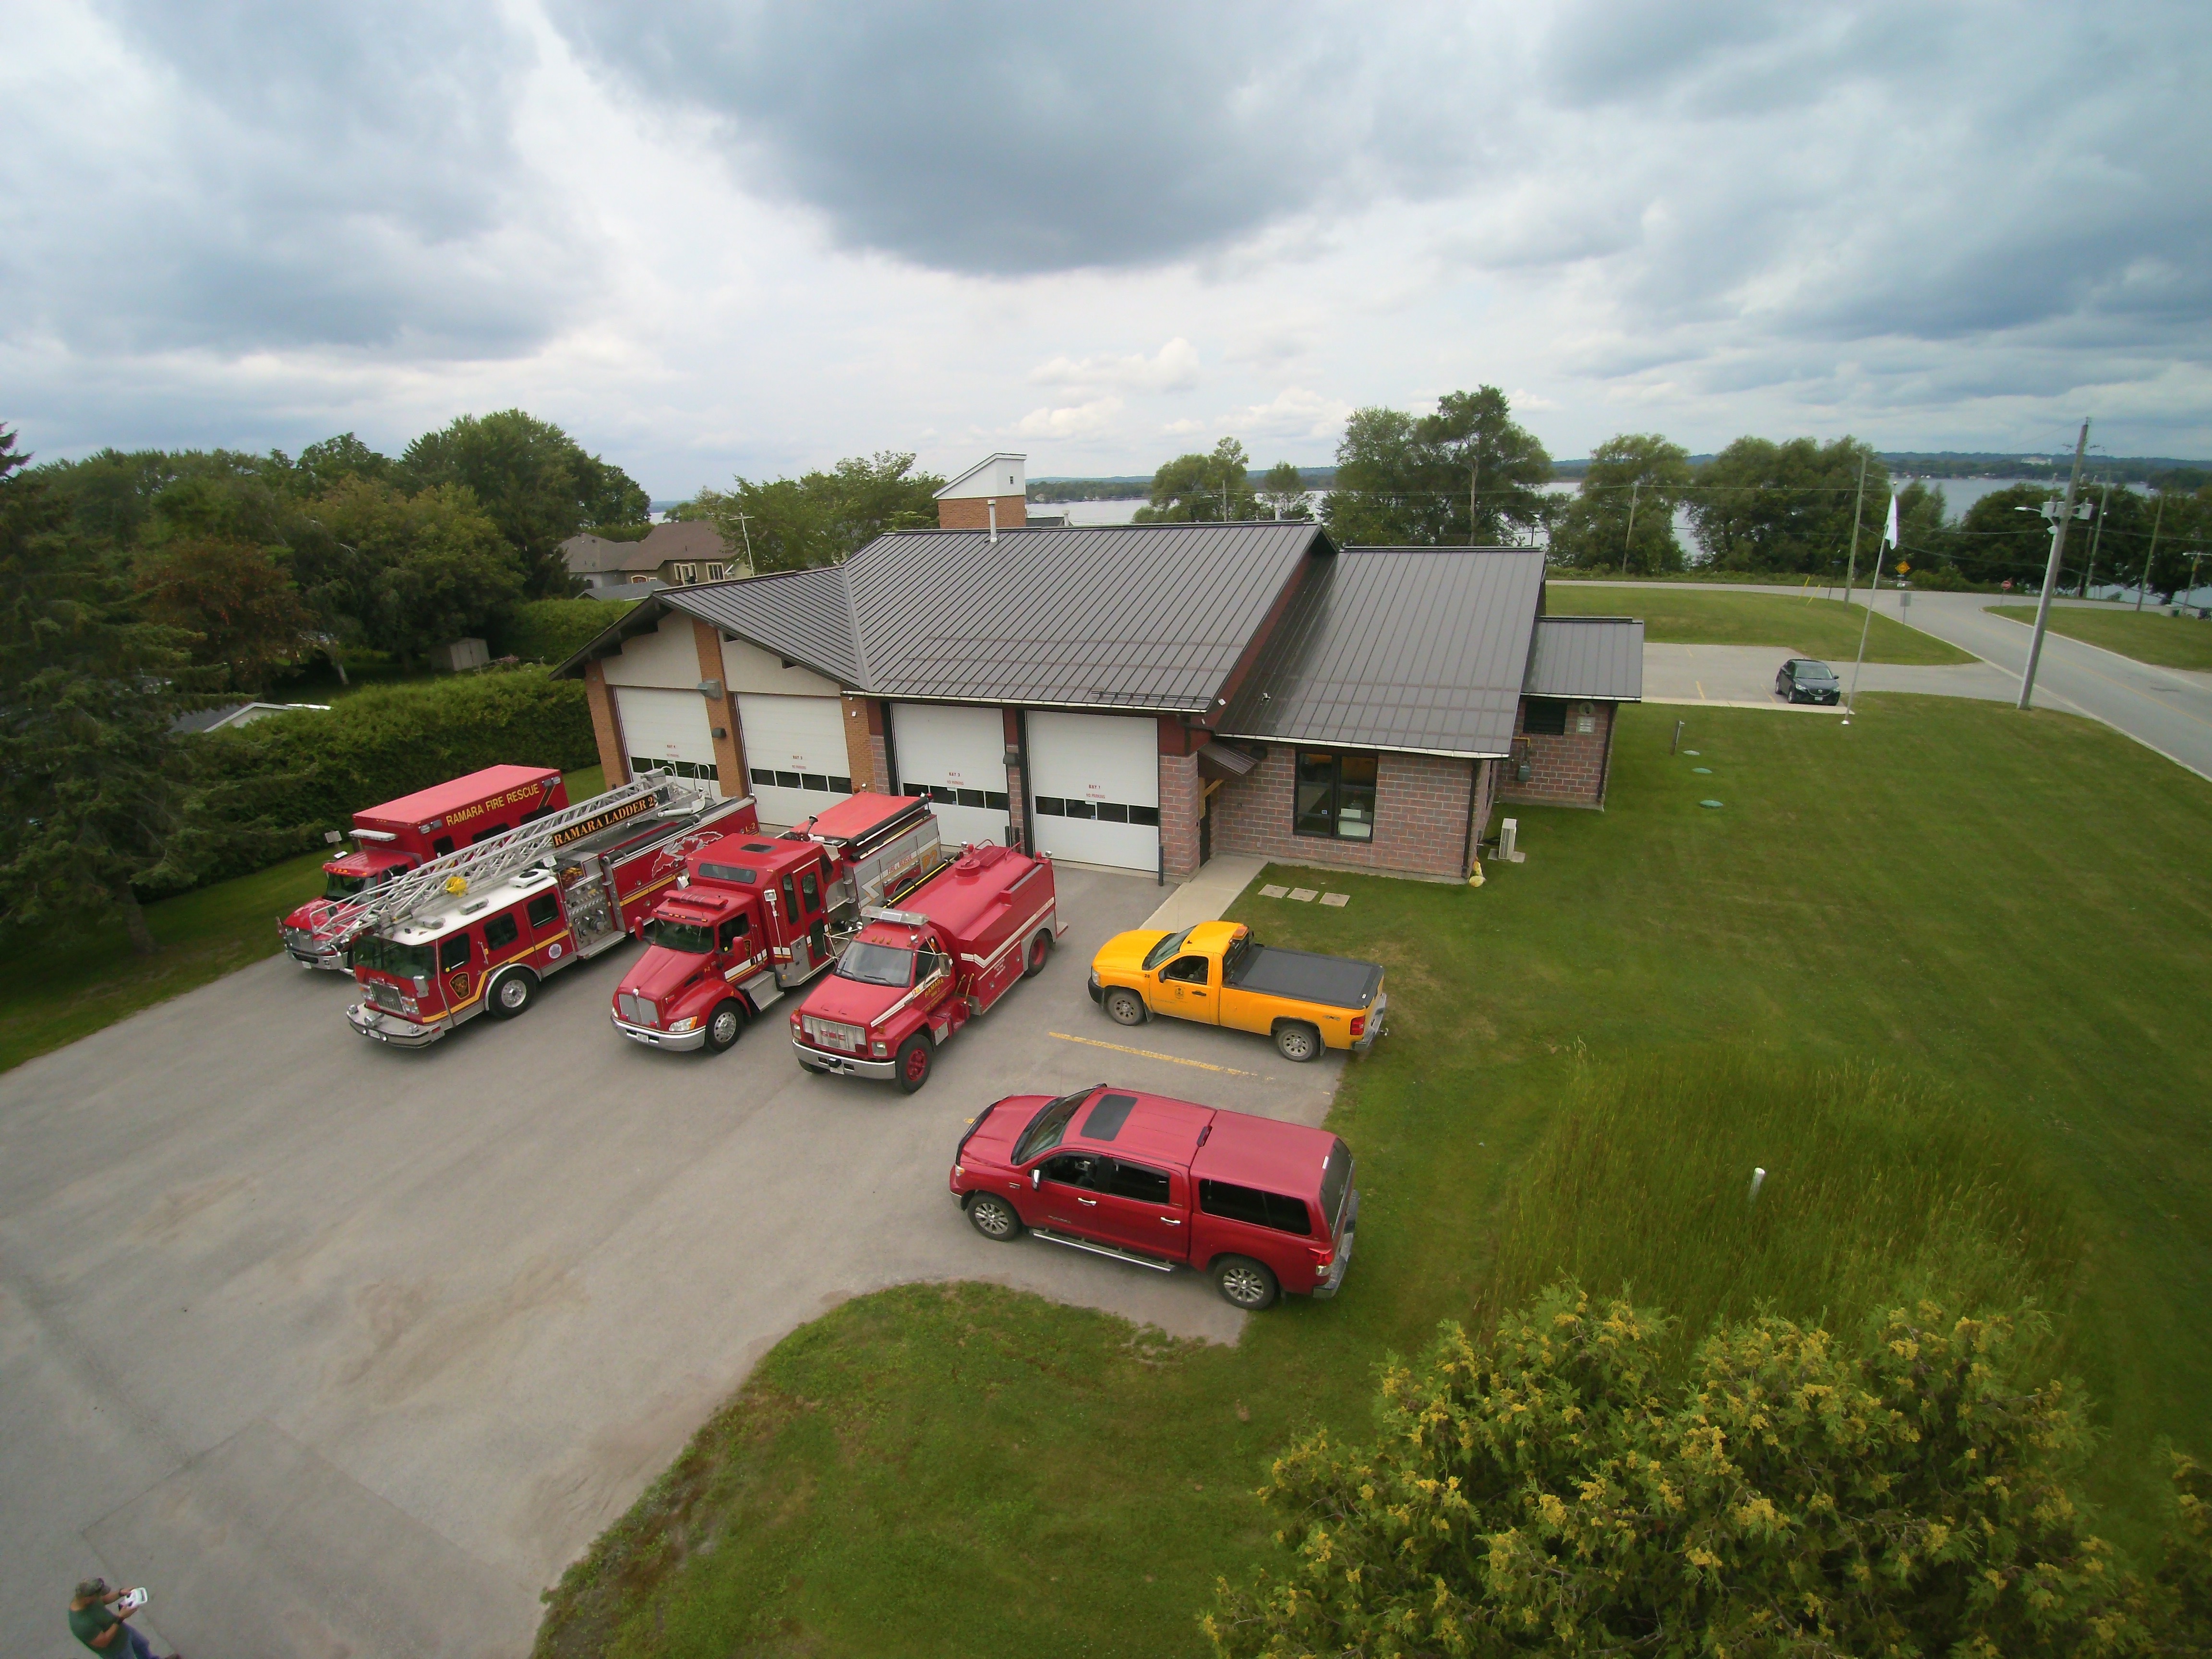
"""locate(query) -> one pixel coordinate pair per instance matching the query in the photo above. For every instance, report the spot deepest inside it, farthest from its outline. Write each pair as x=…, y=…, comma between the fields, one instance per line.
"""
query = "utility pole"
x=2051, y=575
x=2097, y=538
x=1629, y=540
x=2157, y=519
x=748, y=536
x=1473, y=485
x=1851, y=574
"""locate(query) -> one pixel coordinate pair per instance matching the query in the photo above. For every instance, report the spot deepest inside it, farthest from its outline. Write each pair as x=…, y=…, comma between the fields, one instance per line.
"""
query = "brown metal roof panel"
x=1597, y=658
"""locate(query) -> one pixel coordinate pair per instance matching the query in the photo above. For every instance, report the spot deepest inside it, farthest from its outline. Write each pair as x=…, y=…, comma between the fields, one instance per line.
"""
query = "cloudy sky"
x=710, y=237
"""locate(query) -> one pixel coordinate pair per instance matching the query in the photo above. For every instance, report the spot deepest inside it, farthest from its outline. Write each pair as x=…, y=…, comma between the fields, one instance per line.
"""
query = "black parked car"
x=1803, y=680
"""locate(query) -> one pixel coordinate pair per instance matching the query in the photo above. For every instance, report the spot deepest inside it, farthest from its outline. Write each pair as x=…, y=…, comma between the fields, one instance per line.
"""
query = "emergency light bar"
x=374, y=834
x=903, y=918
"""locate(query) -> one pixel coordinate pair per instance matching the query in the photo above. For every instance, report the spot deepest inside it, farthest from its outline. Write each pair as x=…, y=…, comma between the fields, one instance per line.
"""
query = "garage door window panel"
x=1335, y=795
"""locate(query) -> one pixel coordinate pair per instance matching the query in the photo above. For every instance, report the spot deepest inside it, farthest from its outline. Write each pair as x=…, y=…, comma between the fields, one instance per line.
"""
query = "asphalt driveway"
x=346, y=1351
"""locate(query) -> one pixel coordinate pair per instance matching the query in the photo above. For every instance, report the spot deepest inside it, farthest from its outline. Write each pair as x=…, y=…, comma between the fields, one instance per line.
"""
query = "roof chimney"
x=993, y=488
x=993, y=503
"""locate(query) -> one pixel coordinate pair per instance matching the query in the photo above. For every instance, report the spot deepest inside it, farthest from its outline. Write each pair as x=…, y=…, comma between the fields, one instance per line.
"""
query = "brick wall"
x=1421, y=817
x=606, y=726
x=721, y=716
x=1565, y=771
x=1179, y=802
x=973, y=513
x=862, y=756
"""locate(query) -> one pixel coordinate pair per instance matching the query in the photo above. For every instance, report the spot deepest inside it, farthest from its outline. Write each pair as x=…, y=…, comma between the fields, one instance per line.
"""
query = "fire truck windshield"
x=337, y=884
x=876, y=965
x=694, y=937
x=390, y=956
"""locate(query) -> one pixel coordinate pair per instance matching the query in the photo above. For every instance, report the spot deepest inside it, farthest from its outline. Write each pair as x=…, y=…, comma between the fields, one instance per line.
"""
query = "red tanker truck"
x=404, y=834
x=753, y=916
x=476, y=932
x=917, y=973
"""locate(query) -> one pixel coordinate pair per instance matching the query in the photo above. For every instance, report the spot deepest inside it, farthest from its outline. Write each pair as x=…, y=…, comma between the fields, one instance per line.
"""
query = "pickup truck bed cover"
x=1336, y=981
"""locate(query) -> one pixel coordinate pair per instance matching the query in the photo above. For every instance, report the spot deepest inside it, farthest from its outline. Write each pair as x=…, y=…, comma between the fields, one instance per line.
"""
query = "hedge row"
x=266, y=791
x=548, y=630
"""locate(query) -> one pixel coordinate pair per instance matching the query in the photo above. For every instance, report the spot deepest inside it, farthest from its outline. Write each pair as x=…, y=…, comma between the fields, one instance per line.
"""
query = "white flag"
x=1889, y=535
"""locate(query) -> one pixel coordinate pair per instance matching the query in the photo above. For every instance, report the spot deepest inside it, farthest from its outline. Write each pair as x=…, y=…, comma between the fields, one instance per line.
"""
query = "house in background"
x=670, y=556
x=1138, y=696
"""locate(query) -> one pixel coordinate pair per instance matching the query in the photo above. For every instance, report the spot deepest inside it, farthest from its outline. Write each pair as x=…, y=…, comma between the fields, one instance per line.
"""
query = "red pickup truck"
x=1261, y=1206
x=916, y=974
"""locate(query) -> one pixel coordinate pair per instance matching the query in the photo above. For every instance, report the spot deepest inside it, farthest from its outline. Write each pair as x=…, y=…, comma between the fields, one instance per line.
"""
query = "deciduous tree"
x=1214, y=488
x=818, y=518
x=1622, y=519
x=1283, y=492
x=1467, y=475
x=417, y=571
x=237, y=603
x=1787, y=506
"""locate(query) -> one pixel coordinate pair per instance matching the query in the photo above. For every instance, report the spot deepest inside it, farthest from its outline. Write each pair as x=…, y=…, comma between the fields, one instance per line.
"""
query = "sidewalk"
x=1208, y=893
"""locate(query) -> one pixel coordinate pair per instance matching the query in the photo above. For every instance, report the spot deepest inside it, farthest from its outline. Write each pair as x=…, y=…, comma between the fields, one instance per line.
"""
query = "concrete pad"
x=269, y=1293
x=1208, y=893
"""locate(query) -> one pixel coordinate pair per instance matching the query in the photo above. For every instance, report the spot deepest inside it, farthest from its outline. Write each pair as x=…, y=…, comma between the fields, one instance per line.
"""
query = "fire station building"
x=1141, y=696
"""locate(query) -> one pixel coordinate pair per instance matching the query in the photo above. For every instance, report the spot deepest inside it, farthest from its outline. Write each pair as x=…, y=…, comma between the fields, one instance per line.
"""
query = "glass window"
x=812, y=889
x=790, y=902
x=1147, y=816
x=389, y=956
x=737, y=874
x=487, y=833
x=1254, y=1208
x=1105, y=1120
x=1046, y=1127
x=1084, y=1169
x=694, y=938
x=876, y=965
x=1186, y=970
x=1544, y=717
x=337, y=884
x=686, y=573
x=1335, y=795
x=814, y=780
x=732, y=930
x=1050, y=806
x=842, y=785
x=1166, y=948
x=995, y=800
x=544, y=909
x=764, y=777
x=943, y=796
x=786, y=779
x=1135, y=1181
x=500, y=932
x=442, y=845
x=970, y=797
x=1112, y=812
x=1335, y=1176
x=453, y=953
x=1080, y=809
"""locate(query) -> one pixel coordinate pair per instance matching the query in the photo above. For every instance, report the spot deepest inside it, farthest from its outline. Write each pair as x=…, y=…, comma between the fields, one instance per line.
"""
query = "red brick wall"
x=1421, y=817
x=607, y=725
x=1566, y=771
x=973, y=513
x=1179, y=801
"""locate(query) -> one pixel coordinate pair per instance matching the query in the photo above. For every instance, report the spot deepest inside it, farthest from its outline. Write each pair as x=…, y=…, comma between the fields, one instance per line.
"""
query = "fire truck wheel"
x=1039, y=953
x=1245, y=1283
x=1125, y=1007
x=511, y=992
x=993, y=1217
x=912, y=1063
x=724, y=1024
x=1297, y=1041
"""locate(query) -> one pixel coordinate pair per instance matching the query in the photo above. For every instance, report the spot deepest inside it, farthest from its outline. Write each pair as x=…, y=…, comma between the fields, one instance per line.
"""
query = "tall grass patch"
x=1876, y=1186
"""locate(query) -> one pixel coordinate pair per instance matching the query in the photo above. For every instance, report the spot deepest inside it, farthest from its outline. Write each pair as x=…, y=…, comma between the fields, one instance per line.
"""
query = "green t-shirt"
x=85, y=1623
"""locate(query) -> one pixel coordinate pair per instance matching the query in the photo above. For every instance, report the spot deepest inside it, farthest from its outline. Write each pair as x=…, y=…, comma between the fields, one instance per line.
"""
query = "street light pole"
x=2051, y=575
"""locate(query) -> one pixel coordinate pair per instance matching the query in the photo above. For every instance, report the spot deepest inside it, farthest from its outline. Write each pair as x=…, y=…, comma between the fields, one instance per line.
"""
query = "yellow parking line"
x=1147, y=1054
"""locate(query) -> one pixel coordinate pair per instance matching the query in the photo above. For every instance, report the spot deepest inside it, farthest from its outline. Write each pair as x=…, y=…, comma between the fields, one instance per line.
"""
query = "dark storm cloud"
x=1005, y=139
x=243, y=177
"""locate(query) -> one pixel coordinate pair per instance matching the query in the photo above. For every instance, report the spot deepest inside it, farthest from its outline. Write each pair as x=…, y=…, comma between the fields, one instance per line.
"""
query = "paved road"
x=2166, y=709
x=345, y=1351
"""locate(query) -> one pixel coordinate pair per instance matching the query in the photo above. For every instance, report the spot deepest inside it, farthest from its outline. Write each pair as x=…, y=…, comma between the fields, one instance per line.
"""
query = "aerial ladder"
x=654, y=793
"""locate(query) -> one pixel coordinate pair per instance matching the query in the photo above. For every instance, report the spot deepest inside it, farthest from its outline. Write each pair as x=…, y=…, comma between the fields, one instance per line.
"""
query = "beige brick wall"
x=1564, y=771
x=1421, y=817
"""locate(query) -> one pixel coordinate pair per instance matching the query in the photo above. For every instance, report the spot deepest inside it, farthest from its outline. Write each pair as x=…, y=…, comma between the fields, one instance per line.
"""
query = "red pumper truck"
x=405, y=833
x=917, y=973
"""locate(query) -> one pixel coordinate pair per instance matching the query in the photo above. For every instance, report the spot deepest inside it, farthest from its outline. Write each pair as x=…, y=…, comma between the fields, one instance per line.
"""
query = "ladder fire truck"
x=476, y=931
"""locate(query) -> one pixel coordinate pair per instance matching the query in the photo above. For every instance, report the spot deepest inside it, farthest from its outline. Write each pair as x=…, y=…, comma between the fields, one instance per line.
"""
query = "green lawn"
x=2147, y=635
x=1812, y=627
x=952, y=1470
x=52, y=994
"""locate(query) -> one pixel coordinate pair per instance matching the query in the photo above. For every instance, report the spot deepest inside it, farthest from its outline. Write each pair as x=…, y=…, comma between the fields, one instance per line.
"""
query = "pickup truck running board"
x=1133, y=1258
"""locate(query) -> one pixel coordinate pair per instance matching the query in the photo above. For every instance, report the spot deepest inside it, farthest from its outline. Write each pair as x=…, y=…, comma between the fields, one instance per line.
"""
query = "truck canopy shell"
x=1262, y=1152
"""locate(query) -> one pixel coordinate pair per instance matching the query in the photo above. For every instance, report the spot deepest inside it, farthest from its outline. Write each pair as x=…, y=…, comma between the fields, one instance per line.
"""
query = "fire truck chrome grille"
x=636, y=1009
x=832, y=1034
x=386, y=996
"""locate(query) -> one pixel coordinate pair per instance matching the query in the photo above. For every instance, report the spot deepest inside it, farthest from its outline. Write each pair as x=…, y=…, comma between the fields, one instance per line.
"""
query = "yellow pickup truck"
x=1217, y=973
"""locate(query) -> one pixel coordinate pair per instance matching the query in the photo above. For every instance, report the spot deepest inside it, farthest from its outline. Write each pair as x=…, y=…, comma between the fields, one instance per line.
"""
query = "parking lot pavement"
x=346, y=1351
x=1743, y=675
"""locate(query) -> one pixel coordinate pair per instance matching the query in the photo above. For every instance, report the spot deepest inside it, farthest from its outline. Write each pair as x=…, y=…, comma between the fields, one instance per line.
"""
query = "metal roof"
x=804, y=615
x=1411, y=648
x=1597, y=658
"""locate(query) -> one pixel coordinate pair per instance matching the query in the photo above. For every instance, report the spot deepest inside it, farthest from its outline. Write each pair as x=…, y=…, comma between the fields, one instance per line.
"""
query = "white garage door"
x=668, y=729
x=795, y=749
x=1097, y=789
x=960, y=755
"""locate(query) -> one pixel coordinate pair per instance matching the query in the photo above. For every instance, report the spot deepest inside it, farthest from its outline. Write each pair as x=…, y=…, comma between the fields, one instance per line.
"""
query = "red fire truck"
x=402, y=835
x=476, y=931
x=754, y=917
x=917, y=973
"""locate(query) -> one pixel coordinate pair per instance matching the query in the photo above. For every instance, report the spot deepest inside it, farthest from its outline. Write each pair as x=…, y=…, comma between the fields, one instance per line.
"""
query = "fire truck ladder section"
x=489, y=861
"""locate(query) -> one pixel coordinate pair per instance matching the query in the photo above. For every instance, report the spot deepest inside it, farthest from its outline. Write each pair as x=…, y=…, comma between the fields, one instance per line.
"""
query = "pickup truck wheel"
x=1039, y=953
x=1125, y=1007
x=911, y=1066
x=993, y=1217
x=512, y=994
x=1297, y=1041
x=724, y=1024
x=1245, y=1283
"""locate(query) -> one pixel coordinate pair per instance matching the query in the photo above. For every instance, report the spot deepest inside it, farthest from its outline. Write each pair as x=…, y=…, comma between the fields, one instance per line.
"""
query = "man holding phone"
x=101, y=1626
